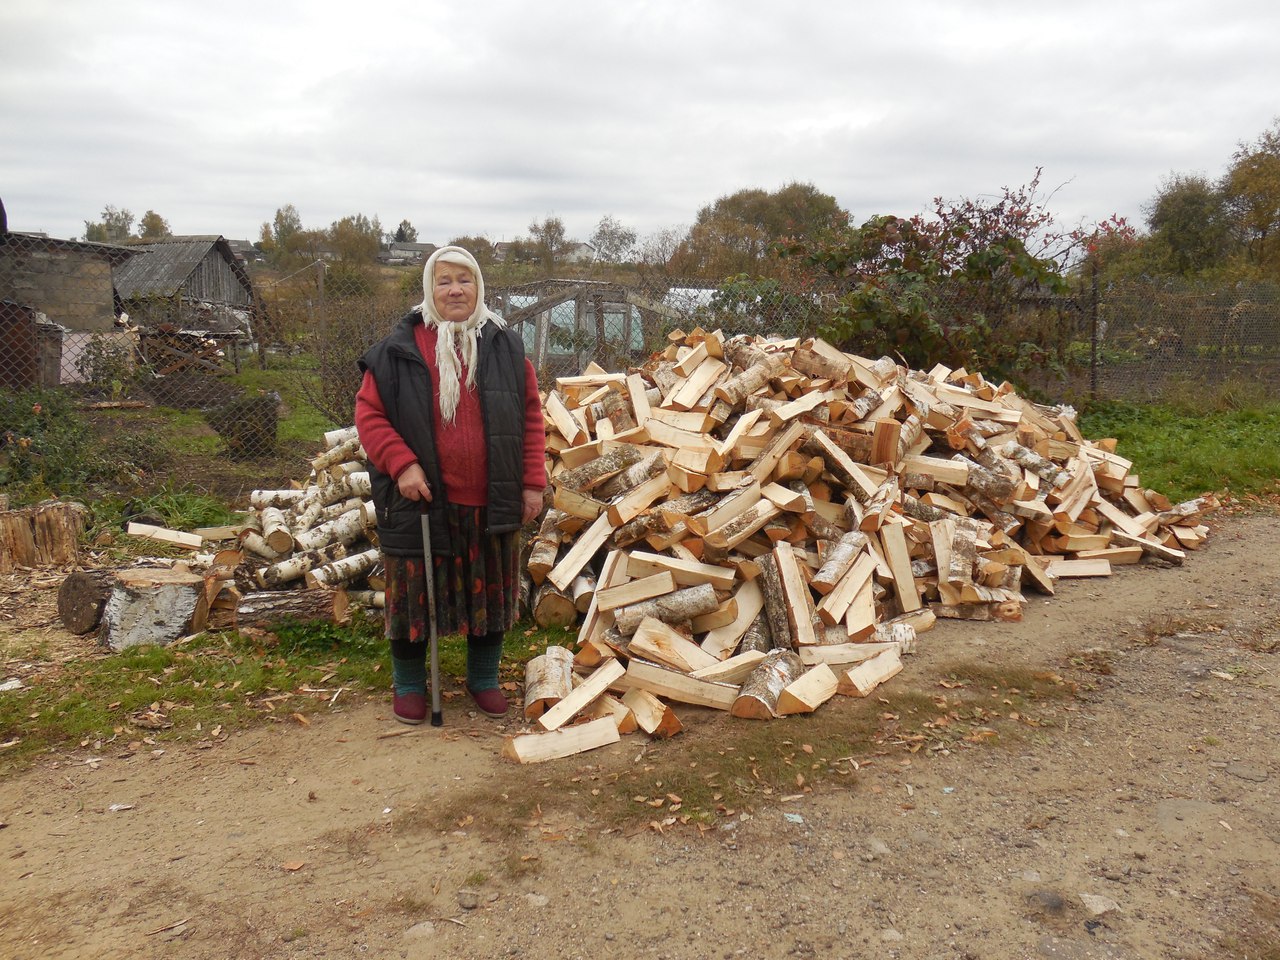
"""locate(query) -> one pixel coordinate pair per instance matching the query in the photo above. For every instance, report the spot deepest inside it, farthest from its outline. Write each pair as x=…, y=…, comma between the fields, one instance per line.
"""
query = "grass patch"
x=1184, y=453
x=189, y=692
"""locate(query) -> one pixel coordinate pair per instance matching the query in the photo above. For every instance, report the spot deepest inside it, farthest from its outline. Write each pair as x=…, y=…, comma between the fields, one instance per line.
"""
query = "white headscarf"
x=455, y=342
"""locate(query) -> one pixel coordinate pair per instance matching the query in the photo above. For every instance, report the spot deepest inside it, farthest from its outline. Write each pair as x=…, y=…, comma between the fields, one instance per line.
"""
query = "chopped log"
x=686, y=573
x=757, y=636
x=775, y=603
x=269, y=608
x=178, y=538
x=665, y=682
x=658, y=641
x=638, y=499
x=583, y=589
x=758, y=698
x=149, y=606
x=345, y=529
x=333, y=438
x=859, y=681
x=652, y=715
x=757, y=376
x=548, y=679
x=348, y=449
x=843, y=654
x=606, y=705
x=808, y=692
x=734, y=670
x=296, y=566
x=587, y=477
x=252, y=541
x=670, y=608
x=545, y=546
x=343, y=570
x=648, y=467
x=801, y=615
x=81, y=598
x=837, y=563
x=580, y=554
x=552, y=607
x=537, y=747
x=260, y=499
x=635, y=591
x=590, y=688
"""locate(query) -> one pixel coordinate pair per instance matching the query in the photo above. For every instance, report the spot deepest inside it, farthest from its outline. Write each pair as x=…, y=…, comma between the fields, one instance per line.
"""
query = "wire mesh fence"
x=186, y=353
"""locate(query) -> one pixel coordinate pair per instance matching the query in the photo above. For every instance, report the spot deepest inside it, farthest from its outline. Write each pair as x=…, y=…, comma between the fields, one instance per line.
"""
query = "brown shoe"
x=490, y=702
x=409, y=707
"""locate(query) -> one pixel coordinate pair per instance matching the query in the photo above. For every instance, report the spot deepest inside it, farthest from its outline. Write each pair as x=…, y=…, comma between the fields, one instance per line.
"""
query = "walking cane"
x=428, y=576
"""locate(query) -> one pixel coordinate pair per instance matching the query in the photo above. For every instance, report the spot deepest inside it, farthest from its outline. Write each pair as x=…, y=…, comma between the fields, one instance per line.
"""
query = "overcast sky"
x=478, y=117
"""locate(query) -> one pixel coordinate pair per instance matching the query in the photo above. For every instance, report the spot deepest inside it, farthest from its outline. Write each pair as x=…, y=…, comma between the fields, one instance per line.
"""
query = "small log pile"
x=758, y=525
x=308, y=552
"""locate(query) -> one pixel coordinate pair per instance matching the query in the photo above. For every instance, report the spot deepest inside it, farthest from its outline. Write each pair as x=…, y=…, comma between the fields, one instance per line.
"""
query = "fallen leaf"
x=293, y=866
x=300, y=719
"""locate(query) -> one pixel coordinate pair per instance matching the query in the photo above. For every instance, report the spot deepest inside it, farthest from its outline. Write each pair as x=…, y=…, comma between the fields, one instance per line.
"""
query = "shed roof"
x=113, y=253
x=169, y=263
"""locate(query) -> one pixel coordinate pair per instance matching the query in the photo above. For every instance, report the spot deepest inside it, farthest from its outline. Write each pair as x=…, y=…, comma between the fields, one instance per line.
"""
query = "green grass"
x=219, y=682
x=1184, y=454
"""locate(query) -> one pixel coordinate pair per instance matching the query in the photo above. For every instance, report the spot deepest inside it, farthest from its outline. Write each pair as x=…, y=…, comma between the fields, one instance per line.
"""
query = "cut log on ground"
x=537, y=747
x=758, y=698
x=81, y=598
x=47, y=534
x=150, y=606
x=548, y=679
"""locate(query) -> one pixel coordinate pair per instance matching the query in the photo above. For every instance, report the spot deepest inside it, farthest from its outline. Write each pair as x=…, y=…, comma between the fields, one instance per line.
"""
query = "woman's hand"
x=413, y=483
x=532, y=505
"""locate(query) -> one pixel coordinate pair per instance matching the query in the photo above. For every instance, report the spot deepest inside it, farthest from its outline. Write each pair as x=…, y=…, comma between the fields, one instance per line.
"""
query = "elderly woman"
x=450, y=418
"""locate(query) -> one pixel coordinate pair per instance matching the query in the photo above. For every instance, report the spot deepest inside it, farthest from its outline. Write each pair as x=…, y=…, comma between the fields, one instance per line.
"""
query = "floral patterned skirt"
x=476, y=588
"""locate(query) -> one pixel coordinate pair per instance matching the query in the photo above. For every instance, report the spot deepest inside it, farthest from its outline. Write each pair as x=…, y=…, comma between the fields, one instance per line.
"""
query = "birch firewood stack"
x=307, y=552
x=771, y=522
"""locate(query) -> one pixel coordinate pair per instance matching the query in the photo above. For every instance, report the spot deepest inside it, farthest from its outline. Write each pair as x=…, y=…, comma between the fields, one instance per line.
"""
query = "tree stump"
x=152, y=607
x=81, y=598
x=44, y=535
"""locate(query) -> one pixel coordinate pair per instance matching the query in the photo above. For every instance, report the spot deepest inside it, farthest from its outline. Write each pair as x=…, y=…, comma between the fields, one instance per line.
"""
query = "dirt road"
x=1138, y=819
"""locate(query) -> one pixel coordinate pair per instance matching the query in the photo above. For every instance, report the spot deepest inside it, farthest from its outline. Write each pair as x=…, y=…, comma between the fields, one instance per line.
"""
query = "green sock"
x=409, y=674
x=483, y=656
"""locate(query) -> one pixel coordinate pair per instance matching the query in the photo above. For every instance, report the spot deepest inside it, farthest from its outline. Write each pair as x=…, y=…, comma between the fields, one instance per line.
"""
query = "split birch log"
x=652, y=715
x=46, y=534
x=583, y=589
x=657, y=641
x=267, y=608
x=333, y=438
x=590, y=475
x=81, y=598
x=859, y=681
x=670, y=608
x=149, y=606
x=758, y=636
x=178, y=538
x=808, y=692
x=600, y=680
x=552, y=607
x=758, y=698
x=548, y=679
x=775, y=604
x=546, y=544
x=838, y=561
x=252, y=541
x=537, y=747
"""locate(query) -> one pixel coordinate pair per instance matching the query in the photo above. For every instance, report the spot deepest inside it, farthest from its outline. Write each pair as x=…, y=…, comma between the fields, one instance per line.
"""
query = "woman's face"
x=454, y=292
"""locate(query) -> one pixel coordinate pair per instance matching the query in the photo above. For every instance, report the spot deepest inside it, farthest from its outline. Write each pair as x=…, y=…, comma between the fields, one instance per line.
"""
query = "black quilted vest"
x=408, y=396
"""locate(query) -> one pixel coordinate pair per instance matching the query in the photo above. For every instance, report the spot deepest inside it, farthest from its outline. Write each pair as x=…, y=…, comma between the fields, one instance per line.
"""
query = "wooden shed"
x=189, y=283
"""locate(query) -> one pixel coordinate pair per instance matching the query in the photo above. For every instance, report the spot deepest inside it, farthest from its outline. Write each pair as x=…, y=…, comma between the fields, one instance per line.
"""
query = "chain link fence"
x=190, y=364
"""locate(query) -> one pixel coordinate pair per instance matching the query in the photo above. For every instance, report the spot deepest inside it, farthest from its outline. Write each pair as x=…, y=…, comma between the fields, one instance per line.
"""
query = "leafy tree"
x=549, y=241
x=949, y=288
x=152, y=226
x=1190, y=224
x=406, y=233
x=1252, y=191
x=356, y=238
x=478, y=247
x=613, y=242
x=739, y=232
x=116, y=226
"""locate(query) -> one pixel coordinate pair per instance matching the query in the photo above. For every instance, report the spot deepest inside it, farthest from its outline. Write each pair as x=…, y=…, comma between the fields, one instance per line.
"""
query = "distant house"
x=192, y=283
x=406, y=252
x=55, y=296
x=576, y=252
x=245, y=251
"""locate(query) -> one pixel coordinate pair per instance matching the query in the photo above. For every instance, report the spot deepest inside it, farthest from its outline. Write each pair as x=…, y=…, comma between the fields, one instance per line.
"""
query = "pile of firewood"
x=757, y=525
x=301, y=552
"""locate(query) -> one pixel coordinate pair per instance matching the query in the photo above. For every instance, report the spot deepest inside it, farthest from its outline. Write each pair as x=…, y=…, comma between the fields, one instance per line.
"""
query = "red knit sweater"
x=464, y=461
